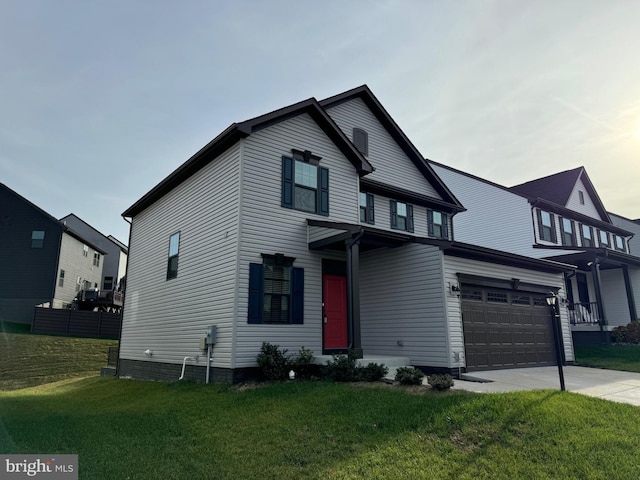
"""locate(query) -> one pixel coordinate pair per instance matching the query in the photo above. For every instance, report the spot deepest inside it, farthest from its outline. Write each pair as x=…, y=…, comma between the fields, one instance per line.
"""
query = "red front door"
x=335, y=311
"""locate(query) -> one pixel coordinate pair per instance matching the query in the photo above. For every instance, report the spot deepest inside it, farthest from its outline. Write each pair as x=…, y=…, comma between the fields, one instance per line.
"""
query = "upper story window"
x=276, y=291
x=85, y=250
x=547, y=226
x=581, y=197
x=619, y=243
x=174, y=251
x=37, y=239
x=604, y=239
x=305, y=185
x=568, y=234
x=437, y=224
x=96, y=259
x=365, y=200
x=361, y=140
x=587, y=236
x=401, y=216
x=61, y=278
x=107, y=284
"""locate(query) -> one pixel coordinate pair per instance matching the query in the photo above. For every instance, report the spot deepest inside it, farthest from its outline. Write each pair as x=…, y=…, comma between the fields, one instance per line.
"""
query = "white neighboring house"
x=115, y=258
x=320, y=225
x=560, y=218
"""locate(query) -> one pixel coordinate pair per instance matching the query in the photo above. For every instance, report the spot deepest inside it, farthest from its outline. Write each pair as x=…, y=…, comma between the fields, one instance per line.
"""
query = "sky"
x=100, y=100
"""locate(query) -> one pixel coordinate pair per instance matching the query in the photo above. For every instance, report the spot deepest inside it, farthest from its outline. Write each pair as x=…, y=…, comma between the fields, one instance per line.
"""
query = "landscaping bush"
x=342, y=368
x=303, y=364
x=372, y=372
x=274, y=362
x=409, y=376
x=627, y=333
x=440, y=382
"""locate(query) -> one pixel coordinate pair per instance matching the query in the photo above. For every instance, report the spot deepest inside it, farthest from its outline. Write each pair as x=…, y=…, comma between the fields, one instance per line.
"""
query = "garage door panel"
x=506, y=335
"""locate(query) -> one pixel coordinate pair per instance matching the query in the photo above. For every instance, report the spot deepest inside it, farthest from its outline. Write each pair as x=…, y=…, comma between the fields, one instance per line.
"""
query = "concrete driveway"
x=611, y=385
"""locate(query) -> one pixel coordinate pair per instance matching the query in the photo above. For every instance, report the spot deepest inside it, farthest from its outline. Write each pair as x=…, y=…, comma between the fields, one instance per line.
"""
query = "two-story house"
x=45, y=262
x=115, y=261
x=320, y=225
x=561, y=218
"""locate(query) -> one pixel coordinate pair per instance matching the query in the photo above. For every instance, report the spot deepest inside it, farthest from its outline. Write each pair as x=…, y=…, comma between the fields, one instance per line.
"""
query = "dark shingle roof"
x=556, y=188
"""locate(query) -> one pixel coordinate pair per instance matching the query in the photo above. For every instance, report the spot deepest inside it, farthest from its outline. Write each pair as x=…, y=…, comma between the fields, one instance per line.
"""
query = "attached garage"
x=505, y=328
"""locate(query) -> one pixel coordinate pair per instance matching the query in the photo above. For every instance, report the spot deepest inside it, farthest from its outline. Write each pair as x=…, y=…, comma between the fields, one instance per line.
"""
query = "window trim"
x=604, y=245
x=409, y=227
x=581, y=197
x=583, y=238
x=444, y=226
x=61, y=278
x=85, y=250
x=571, y=234
x=368, y=209
x=172, y=270
x=542, y=228
x=615, y=243
x=289, y=182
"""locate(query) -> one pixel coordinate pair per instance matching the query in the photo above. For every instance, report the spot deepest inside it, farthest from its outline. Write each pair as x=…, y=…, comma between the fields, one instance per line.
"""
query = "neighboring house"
x=320, y=225
x=560, y=218
x=44, y=261
x=115, y=261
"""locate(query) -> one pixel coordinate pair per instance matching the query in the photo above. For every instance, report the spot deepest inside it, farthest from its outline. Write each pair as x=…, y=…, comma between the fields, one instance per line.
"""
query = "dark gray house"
x=43, y=261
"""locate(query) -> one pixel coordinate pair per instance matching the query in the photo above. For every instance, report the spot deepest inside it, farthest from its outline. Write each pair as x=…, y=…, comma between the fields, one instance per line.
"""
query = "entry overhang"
x=323, y=235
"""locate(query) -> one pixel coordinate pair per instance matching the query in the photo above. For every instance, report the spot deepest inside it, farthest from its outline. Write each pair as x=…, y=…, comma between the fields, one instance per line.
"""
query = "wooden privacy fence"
x=76, y=323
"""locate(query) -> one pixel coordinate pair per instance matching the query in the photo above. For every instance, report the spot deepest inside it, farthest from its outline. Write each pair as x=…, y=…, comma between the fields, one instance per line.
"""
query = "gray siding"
x=615, y=297
x=634, y=243
x=495, y=218
x=402, y=300
x=75, y=265
x=269, y=228
x=454, y=265
x=170, y=316
x=391, y=164
x=588, y=208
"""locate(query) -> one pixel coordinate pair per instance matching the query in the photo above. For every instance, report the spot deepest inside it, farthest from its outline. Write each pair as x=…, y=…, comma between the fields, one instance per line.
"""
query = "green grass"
x=27, y=360
x=612, y=357
x=128, y=429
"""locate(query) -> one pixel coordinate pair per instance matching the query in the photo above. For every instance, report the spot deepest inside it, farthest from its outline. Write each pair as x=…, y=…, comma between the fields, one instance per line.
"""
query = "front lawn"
x=612, y=357
x=125, y=429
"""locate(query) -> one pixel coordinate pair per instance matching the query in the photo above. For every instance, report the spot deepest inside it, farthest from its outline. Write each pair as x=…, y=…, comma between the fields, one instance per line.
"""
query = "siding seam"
x=234, y=328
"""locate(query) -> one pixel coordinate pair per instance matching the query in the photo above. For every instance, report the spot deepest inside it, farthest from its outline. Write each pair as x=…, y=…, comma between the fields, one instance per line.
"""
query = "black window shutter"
x=430, y=222
x=540, y=230
x=297, y=297
x=445, y=225
x=287, y=182
x=554, y=238
x=371, y=218
x=323, y=191
x=409, y=218
x=394, y=214
x=561, y=223
x=256, y=293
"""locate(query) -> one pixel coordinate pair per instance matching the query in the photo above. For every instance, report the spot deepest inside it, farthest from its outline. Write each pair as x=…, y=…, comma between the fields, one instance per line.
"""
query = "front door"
x=335, y=311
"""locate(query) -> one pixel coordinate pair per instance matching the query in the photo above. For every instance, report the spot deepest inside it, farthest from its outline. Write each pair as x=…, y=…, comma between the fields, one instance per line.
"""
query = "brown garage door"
x=506, y=329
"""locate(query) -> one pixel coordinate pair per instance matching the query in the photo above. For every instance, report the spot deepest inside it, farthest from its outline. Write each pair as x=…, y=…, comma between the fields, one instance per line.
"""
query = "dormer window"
x=547, y=226
x=619, y=243
x=361, y=140
x=604, y=239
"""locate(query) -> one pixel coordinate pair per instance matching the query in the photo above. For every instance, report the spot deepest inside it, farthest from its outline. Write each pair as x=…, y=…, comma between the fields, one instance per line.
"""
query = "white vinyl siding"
x=455, y=265
x=589, y=207
x=401, y=299
x=495, y=218
x=633, y=244
x=614, y=294
x=268, y=228
x=392, y=165
x=170, y=317
x=74, y=264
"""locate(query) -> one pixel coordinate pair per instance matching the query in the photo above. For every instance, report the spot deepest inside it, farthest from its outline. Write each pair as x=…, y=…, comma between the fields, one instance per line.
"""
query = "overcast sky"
x=100, y=100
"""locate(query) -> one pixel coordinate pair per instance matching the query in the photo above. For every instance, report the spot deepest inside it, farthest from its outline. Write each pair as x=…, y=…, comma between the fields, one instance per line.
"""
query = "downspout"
x=124, y=301
x=353, y=300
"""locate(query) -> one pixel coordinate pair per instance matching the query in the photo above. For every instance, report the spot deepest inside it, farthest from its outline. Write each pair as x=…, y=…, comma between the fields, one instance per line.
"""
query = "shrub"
x=409, y=376
x=303, y=364
x=342, y=368
x=372, y=372
x=274, y=362
x=627, y=333
x=440, y=382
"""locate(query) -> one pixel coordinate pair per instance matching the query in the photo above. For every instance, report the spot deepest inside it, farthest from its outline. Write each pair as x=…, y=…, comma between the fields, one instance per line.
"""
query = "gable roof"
x=52, y=219
x=366, y=95
x=237, y=131
x=117, y=243
x=557, y=188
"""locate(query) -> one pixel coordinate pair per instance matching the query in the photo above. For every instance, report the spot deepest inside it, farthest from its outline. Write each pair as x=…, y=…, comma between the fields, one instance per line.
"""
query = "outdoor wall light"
x=551, y=299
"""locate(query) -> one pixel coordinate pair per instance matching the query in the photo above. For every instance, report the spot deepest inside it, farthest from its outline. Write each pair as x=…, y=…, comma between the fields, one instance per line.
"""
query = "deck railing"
x=583, y=313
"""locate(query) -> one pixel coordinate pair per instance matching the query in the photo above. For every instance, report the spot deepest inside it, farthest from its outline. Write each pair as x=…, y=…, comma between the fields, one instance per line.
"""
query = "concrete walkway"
x=611, y=385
